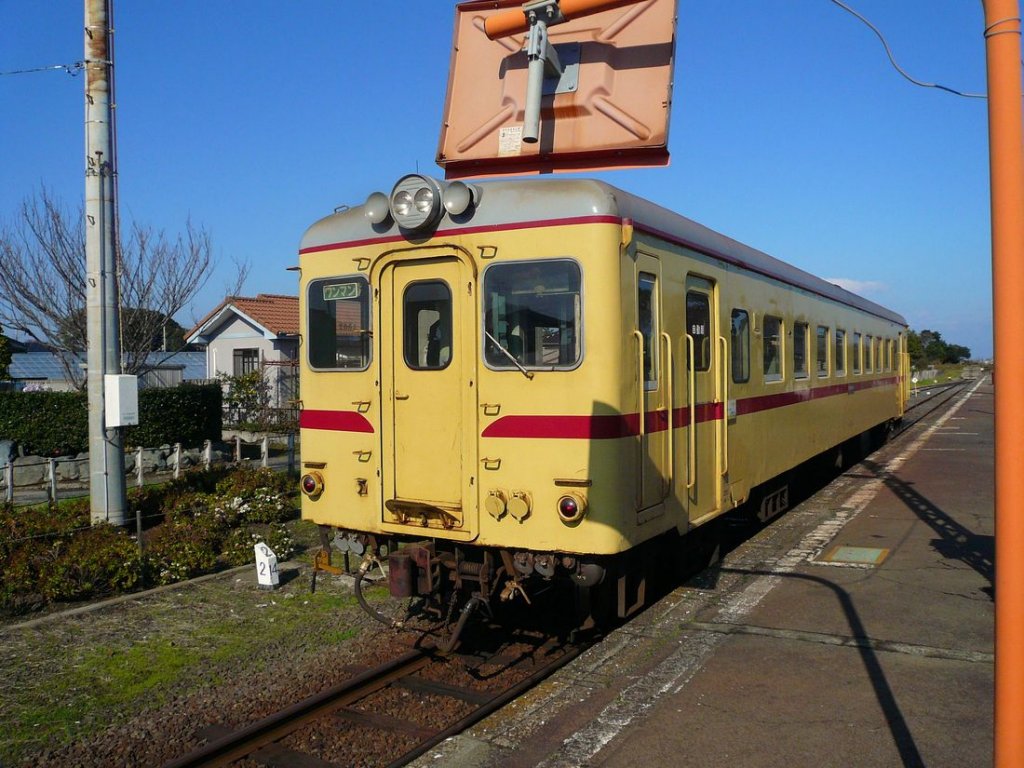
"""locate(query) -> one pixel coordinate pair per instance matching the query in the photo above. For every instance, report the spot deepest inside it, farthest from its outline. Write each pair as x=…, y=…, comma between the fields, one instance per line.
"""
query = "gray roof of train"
x=510, y=202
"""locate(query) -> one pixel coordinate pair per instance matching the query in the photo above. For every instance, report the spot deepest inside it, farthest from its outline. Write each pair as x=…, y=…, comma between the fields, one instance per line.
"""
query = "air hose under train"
x=357, y=586
x=468, y=609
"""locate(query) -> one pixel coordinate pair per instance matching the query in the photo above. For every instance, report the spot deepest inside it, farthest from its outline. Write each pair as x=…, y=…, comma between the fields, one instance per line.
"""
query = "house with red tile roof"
x=243, y=334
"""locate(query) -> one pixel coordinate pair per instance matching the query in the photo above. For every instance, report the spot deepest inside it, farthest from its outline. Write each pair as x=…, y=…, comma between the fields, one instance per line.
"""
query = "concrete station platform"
x=857, y=630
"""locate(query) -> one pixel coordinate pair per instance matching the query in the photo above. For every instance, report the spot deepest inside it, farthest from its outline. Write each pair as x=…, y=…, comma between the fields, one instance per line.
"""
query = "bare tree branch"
x=43, y=290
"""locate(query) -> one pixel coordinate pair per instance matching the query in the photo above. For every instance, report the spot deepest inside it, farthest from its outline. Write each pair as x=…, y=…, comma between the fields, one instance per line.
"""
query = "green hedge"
x=45, y=423
x=56, y=423
x=187, y=414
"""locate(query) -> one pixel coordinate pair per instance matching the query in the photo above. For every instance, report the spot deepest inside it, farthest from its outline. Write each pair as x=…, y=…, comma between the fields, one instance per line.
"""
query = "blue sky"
x=790, y=132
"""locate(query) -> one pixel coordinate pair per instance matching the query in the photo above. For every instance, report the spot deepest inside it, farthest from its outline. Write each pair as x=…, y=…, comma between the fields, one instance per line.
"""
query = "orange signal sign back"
x=607, y=108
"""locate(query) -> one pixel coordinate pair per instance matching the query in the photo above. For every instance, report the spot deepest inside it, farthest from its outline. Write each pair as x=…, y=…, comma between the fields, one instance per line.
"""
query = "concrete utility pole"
x=106, y=457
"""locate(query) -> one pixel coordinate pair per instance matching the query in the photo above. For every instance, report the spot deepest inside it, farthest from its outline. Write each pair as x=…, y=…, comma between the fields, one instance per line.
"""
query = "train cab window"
x=856, y=354
x=338, y=323
x=427, y=332
x=800, y=350
x=772, y=338
x=740, y=341
x=698, y=328
x=821, y=359
x=533, y=315
x=840, y=352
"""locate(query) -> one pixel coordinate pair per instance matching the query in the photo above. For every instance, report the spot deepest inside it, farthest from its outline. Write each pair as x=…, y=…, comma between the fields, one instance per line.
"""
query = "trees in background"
x=43, y=282
x=928, y=348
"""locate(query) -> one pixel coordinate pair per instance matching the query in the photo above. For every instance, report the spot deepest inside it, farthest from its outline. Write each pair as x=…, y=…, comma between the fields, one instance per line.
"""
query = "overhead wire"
x=71, y=69
x=898, y=68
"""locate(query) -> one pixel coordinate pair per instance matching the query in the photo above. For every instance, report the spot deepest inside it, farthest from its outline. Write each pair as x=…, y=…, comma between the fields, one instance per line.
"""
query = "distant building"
x=42, y=370
x=243, y=334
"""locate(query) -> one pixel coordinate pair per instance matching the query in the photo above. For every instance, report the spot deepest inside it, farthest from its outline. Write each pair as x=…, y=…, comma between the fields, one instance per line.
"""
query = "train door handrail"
x=669, y=388
x=641, y=390
x=725, y=405
x=691, y=374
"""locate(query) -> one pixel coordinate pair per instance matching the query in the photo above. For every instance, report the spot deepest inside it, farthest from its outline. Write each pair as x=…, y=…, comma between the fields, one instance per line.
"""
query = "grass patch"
x=80, y=690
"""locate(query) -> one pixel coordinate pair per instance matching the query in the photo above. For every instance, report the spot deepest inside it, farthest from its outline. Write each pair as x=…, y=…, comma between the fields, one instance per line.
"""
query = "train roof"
x=553, y=201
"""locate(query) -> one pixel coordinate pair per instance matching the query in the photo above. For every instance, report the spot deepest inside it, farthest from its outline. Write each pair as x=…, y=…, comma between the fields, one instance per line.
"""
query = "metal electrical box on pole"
x=106, y=456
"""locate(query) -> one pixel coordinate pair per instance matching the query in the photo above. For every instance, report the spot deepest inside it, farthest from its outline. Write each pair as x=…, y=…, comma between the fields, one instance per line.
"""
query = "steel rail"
x=238, y=744
x=249, y=741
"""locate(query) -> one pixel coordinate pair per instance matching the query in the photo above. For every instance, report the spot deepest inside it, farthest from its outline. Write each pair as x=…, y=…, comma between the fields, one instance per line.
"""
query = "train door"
x=426, y=393
x=653, y=365
x=703, y=409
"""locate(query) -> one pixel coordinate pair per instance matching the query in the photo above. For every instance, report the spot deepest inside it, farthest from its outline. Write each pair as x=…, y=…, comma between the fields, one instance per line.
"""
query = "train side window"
x=647, y=319
x=427, y=331
x=533, y=315
x=869, y=355
x=698, y=327
x=772, y=338
x=821, y=360
x=888, y=355
x=740, y=340
x=800, y=350
x=840, y=353
x=856, y=353
x=338, y=323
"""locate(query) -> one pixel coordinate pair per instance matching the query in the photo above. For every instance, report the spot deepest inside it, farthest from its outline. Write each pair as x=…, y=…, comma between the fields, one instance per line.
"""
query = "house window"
x=246, y=361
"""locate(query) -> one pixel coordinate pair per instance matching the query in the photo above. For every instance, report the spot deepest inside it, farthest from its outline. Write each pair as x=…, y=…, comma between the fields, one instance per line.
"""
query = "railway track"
x=920, y=406
x=392, y=713
x=387, y=715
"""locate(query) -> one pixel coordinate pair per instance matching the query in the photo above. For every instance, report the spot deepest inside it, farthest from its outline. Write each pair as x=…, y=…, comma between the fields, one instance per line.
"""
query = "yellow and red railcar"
x=518, y=381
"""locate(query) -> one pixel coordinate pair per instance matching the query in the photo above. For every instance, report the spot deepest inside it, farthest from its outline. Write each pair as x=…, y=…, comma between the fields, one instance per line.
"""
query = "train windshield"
x=532, y=313
x=339, y=323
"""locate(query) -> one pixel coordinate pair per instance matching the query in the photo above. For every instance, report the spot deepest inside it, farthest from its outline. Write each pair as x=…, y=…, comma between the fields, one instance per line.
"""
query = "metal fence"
x=35, y=479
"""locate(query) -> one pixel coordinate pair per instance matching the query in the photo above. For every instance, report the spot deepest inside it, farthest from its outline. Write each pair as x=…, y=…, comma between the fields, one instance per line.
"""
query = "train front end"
x=455, y=424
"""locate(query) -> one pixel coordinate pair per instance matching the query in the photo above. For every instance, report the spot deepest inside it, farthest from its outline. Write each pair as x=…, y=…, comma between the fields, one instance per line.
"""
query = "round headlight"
x=424, y=200
x=402, y=203
x=416, y=202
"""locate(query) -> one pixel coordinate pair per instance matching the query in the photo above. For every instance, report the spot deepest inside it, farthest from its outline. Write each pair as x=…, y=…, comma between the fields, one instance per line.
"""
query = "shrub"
x=45, y=423
x=248, y=481
x=53, y=553
x=186, y=414
x=177, y=551
x=19, y=591
x=56, y=423
x=238, y=547
x=96, y=562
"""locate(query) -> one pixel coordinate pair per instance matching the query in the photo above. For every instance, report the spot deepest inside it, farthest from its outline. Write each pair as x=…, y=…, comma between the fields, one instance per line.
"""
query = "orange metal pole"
x=514, y=22
x=1006, y=159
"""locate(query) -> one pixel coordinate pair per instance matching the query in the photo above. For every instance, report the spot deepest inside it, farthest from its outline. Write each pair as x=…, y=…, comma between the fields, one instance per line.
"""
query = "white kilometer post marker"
x=266, y=567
